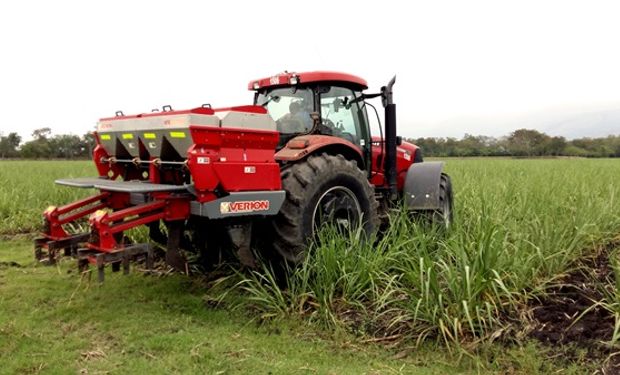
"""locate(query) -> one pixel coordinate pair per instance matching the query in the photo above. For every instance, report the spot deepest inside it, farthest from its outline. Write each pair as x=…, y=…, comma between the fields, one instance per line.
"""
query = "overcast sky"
x=481, y=67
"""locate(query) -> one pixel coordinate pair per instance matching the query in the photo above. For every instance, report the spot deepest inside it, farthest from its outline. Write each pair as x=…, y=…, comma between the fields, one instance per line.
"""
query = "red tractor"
x=301, y=156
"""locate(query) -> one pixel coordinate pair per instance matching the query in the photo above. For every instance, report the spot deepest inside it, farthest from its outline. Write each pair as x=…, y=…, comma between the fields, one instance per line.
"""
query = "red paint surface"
x=283, y=79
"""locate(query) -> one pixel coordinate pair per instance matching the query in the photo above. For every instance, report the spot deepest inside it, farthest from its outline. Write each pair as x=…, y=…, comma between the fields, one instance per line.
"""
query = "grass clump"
x=520, y=224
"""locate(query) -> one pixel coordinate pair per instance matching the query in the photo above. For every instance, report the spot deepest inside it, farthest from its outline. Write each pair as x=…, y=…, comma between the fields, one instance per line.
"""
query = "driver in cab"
x=298, y=119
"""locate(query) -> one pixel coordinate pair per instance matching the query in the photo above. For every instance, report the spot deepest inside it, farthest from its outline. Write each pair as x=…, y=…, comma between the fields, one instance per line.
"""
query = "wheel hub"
x=337, y=206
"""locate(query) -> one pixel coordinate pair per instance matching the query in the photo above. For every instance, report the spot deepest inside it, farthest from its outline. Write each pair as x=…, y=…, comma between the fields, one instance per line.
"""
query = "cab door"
x=344, y=115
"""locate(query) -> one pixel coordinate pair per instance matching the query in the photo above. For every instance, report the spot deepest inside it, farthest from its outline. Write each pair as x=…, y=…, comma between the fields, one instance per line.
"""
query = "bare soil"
x=568, y=317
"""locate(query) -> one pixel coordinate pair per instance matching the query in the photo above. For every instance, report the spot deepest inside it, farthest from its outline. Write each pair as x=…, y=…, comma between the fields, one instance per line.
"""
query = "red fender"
x=305, y=145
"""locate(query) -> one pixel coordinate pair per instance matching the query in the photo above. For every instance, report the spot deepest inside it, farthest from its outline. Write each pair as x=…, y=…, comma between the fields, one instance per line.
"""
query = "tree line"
x=45, y=146
x=520, y=143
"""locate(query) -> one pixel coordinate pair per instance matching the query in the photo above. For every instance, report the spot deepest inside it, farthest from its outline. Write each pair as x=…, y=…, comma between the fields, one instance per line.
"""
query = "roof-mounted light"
x=256, y=86
x=293, y=80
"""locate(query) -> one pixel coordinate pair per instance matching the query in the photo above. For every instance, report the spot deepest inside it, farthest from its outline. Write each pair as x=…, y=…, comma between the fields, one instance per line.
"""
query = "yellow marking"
x=105, y=137
x=149, y=135
x=127, y=136
x=177, y=134
x=99, y=213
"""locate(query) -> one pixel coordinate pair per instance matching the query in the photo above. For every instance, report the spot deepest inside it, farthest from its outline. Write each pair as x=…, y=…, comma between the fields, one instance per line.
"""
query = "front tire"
x=444, y=216
x=323, y=189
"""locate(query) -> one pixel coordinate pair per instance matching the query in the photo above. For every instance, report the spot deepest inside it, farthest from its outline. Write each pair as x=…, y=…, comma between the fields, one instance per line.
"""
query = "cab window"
x=290, y=108
x=340, y=114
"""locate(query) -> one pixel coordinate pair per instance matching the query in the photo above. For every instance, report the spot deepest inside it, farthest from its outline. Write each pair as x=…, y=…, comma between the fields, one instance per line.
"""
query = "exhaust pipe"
x=391, y=141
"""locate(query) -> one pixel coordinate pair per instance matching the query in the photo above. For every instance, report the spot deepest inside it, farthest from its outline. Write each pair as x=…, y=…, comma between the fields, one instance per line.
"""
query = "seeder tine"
x=82, y=264
x=125, y=264
x=100, y=261
x=119, y=258
x=48, y=248
x=43, y=252
x=149, y=257
x=38, y=248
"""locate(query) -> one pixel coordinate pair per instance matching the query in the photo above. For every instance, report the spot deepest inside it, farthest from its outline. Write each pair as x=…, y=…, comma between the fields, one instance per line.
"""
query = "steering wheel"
x=290, y=125
x=327, y=127
x=328, y=122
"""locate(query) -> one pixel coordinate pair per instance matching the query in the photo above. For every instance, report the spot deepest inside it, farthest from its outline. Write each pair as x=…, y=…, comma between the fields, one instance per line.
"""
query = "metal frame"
x=56, y=217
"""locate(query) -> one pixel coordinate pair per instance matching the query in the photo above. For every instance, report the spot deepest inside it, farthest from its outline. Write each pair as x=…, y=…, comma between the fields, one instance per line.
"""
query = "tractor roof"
x=293, y=78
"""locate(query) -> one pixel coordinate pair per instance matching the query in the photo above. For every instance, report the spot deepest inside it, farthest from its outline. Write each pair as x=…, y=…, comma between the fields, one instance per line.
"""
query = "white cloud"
x=64, y=64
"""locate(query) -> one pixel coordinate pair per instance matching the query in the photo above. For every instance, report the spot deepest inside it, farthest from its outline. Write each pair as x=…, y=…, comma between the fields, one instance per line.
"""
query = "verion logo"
x=243, y=206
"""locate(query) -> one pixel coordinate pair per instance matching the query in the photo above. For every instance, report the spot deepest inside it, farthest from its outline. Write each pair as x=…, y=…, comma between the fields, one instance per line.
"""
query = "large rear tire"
x=323, y=189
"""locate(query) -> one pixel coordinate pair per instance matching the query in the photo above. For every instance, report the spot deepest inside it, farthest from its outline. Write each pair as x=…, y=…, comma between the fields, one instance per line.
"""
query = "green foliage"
x=9, y=145
x=526, y=142
x=27, y=188
x=45, y=146
x=521, y=143
x=519, y=223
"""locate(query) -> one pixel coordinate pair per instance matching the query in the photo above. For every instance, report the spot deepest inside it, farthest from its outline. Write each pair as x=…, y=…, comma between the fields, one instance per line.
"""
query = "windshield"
x=290, y=108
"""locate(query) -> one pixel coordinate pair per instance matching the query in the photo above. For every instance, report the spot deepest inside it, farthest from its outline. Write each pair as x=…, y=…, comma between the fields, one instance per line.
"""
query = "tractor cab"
x=320, y=103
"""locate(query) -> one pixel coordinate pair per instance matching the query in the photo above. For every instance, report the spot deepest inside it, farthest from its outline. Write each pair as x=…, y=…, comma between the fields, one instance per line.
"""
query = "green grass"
x=50, y=320
x=27, y=188
x=54, y=322
x=519, y=225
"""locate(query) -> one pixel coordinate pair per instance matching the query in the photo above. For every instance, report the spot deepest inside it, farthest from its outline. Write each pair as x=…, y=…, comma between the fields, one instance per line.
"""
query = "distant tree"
x=9, y=145
x=597, y=147
x=615, y=145
x=88, y=144
x=526, y=142
x=66, y=146
x=554, y=146
x=471, y=145
x=572, y=150
x=42, y=133
x=430, y=146
x=40, y=146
